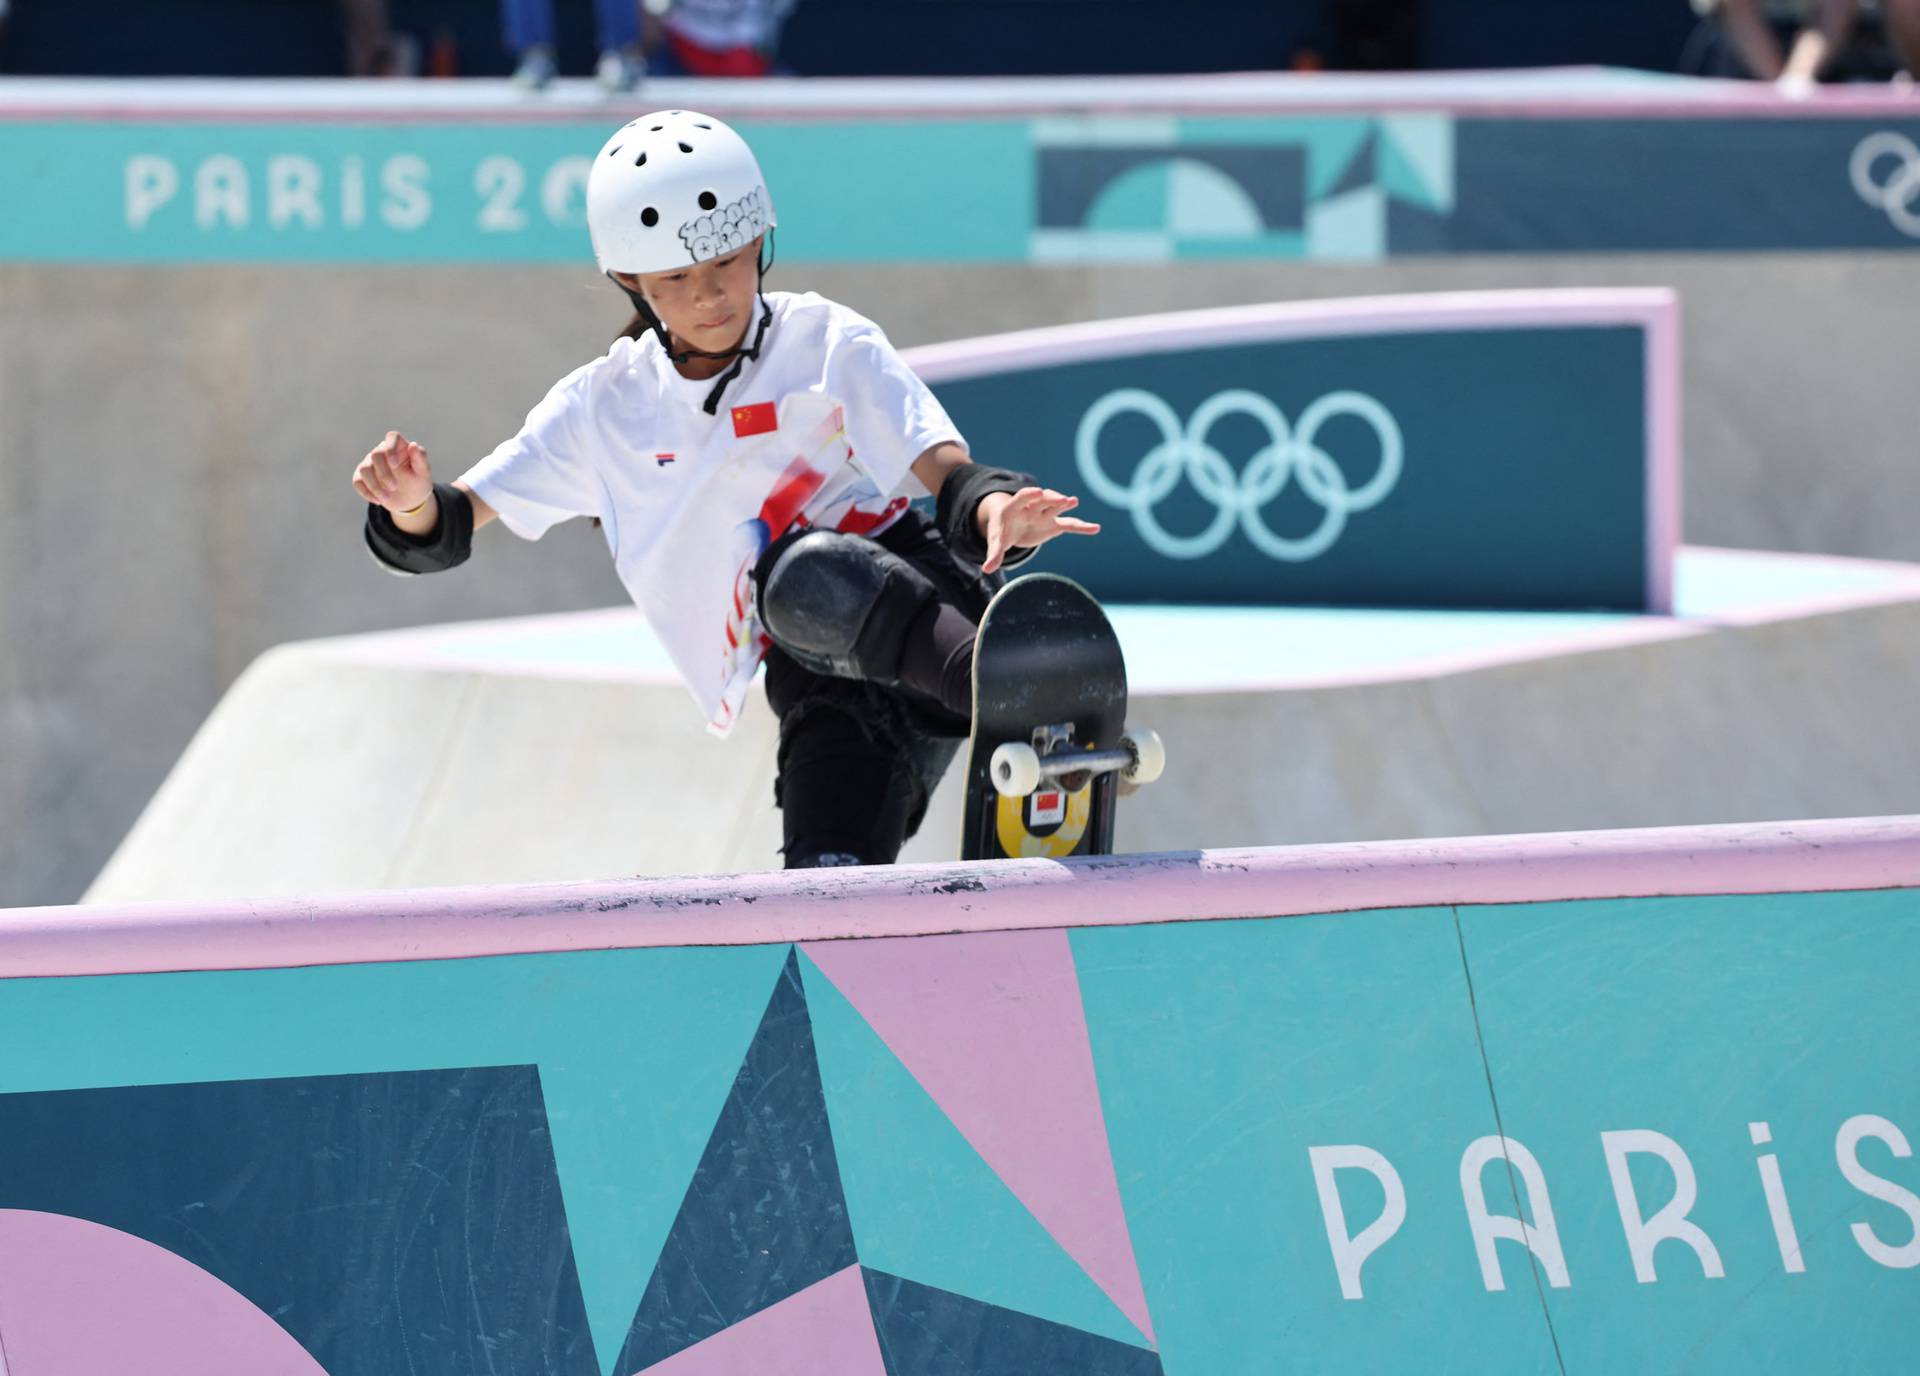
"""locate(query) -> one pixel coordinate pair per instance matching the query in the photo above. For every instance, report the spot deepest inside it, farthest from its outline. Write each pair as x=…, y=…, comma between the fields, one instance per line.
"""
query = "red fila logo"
x=758, y=419
x=663, y=459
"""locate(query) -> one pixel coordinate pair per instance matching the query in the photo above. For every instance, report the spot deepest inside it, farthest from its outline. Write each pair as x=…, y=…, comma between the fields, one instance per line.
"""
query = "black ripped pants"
x=858, y=762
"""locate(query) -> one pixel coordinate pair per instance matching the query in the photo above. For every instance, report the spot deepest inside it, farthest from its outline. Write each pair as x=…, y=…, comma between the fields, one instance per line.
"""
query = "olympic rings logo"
x=1290, y=452
x=1899, y=194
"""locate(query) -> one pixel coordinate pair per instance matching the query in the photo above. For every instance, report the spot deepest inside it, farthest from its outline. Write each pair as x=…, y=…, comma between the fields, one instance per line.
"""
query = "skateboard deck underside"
x=1047, y=657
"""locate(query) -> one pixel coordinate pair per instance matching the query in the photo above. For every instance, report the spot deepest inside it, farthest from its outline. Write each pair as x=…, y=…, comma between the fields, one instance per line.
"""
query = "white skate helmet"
x=672, y=189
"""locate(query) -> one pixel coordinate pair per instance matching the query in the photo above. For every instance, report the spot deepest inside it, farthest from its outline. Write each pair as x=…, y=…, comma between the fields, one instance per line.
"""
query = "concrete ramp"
x=556, y=748
x=1590, y=1103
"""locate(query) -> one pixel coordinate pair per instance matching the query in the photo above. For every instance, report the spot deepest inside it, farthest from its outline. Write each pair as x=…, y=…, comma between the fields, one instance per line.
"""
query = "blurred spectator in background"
x=1903, y=31
x=530, y=39
x=373, y=49
x=1376, y=35
x=715, y=37
x=1822, y=33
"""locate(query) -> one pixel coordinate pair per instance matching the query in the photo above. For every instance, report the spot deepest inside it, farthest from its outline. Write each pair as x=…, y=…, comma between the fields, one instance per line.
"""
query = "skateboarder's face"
x=708, y=305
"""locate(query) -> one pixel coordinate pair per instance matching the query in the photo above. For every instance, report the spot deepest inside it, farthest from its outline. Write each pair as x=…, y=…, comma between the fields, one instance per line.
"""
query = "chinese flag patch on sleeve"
x=758, y=419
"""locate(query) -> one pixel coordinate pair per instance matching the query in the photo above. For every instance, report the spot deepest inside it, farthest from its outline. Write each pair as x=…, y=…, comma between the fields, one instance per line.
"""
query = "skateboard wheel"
x=1016, y=769
x=1149, y=756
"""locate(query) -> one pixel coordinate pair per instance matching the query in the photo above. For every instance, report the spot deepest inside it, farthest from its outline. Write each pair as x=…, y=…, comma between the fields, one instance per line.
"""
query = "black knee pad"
x=840, y=604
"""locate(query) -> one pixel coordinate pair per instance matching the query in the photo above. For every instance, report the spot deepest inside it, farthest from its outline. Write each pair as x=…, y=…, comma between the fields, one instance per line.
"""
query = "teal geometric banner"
x=476, y=192
x=974, y=187
x=1647, y=1135
x=1157, y=189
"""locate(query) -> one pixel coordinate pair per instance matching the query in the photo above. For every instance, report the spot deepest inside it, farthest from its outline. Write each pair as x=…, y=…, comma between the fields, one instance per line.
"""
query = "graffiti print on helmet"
x=726, y=228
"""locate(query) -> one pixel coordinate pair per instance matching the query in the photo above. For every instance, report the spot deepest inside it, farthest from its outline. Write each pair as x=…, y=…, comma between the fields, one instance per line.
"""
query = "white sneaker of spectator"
x=536, y=68
x=620, y=69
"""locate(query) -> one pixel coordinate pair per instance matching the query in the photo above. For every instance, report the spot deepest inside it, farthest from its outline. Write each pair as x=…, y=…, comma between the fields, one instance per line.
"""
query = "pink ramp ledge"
x=1653, y=308
x=825, y=1330
x=1584, y=92
x=81, y=1299
x=987, y=896
x=1018, y=1082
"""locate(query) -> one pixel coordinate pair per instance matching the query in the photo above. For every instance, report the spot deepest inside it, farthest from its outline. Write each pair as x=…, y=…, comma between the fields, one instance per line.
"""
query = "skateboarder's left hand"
x=1020, y=520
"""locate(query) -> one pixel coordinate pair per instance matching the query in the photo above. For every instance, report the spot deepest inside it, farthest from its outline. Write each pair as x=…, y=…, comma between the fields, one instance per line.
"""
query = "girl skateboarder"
x=751, y=456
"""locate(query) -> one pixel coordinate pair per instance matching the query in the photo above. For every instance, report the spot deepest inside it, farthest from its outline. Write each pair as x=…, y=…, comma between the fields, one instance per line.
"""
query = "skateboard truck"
x=1019, y=769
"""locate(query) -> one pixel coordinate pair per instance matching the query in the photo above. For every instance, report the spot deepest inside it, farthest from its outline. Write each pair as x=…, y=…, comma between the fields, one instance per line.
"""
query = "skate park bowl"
x=1579, y=1103
x=1530, y=446
x=187, y=255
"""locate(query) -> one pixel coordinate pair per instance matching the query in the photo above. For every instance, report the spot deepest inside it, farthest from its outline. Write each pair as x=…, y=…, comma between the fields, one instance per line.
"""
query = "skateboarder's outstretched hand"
x=1031, y=516
x=395, y=474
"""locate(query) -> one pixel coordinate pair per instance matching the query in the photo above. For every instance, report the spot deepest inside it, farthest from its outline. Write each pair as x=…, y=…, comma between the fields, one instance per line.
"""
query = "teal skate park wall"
x=1495, y=449
x=1630, y=1101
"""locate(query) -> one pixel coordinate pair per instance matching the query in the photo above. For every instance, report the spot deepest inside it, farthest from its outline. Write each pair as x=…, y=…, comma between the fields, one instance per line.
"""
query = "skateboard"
x=1050, y=744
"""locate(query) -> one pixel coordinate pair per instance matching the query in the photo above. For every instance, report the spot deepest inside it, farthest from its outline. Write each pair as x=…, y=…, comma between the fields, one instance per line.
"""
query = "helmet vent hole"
x=656, y=128
x=686, y=148
x=649, y=217
x=703, y=126
x=708, y=200
x=640, y=161
x=613, y=150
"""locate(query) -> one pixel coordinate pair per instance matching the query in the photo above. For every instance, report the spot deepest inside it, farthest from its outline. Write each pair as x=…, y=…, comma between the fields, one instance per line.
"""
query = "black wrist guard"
x=446, y=546
x=957, y=507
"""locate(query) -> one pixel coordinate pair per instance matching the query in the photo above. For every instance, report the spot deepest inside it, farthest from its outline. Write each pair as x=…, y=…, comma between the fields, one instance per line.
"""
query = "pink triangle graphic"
x=825, y=1330
x=992, y=1026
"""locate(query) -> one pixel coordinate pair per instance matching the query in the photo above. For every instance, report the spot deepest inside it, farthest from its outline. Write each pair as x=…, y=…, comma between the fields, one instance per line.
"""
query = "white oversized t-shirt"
x=821, y=430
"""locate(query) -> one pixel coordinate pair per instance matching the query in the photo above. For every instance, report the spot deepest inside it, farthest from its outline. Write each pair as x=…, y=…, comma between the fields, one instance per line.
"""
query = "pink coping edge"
x=1663, y=452
x=1230, y=93
x=1337, y=317
x=914, y=900
x=1655, y=310
x=1597, y=109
